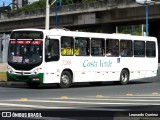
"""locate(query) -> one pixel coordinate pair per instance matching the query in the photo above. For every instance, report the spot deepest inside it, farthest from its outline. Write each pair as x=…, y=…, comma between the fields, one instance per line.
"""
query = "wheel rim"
x=65, y=80
x=124, y=77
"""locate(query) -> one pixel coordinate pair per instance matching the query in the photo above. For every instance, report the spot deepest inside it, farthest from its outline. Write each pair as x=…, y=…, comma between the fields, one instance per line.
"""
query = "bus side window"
x=67, y=46
x=126, y=48
x=139, y=48
x=97, y=46
x=150, y=49
x=112, y=47
x=82, y=46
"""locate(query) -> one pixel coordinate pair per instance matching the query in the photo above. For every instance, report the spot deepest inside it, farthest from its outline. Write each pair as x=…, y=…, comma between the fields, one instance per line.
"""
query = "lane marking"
x=63, y=97
x=100, y=99
x=107, y=99
x=129, y=94
x=141, y=102
x=45, y=107
x=99, y=96
x=31, y=106
x=133, y=97
x=23, y=98
x=74, y=102
x=154, y=93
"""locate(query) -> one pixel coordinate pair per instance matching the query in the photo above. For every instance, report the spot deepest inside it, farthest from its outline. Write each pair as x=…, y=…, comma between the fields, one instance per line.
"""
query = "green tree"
x=66, y=2
x=42, y=4
x=131, y=29
x=35, y=5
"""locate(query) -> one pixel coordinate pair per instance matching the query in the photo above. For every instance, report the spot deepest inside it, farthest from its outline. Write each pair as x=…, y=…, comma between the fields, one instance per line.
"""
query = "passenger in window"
x=36, y=56
x=77, y=51
x=122, y=52
x=108, y=52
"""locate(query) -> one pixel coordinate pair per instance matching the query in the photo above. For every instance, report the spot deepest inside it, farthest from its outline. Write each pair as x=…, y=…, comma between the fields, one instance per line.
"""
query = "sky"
x=7, y=2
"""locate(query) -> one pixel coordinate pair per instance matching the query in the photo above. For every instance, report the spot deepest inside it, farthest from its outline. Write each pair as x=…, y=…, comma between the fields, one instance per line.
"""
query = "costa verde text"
x=100, y=63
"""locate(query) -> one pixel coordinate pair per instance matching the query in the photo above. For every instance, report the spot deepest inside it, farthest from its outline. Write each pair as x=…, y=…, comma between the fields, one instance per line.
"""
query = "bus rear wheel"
x=124, y=77
x=65, y=80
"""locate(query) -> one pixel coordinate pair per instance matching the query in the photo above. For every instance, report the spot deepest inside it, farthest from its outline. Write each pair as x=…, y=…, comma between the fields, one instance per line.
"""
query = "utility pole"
x=48, y=4
x=47, y=15
x=146, y=2
x=147, y=33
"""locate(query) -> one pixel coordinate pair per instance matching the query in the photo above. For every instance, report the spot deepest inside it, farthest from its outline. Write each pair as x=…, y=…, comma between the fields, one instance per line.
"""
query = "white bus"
x=37, y=56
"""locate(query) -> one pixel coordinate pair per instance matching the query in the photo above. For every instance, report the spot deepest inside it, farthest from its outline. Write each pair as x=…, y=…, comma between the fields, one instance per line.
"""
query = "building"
x=20, y=3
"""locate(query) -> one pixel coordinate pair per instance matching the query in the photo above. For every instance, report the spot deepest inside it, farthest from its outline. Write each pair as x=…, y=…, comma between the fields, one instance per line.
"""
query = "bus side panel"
x=139, y=67
x=83, y=76
x=52, y=72
x=90, y=69
x=151, y=67
x=135, y=65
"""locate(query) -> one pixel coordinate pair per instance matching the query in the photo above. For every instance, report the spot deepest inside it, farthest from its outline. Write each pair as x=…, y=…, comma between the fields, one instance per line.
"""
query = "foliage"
x=66, y=2
x=5, y=8
x=133, y=29
x=42, y=4
x=35, y=5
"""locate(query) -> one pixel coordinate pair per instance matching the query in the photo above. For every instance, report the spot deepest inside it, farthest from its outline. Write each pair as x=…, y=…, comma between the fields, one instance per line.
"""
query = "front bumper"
x=38, y=78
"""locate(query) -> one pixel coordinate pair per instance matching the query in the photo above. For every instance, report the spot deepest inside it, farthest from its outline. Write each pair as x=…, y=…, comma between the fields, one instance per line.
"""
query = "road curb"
x=6, y=83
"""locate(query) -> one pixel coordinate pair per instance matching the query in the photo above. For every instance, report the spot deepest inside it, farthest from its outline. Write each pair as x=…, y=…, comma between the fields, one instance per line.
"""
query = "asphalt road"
x=90, y=101
x=83, y=101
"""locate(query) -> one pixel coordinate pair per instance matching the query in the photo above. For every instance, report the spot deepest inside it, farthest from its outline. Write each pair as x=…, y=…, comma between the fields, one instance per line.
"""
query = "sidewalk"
x=3, y=79
x=3, y=67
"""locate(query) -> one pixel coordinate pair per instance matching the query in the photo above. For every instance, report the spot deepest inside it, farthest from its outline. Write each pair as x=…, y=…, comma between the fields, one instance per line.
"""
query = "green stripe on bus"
x=25, y=78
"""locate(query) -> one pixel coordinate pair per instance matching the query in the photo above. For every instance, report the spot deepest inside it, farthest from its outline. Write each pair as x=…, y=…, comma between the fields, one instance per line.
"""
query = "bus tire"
x=124, y=77
x=33, y=85
x=65, y=80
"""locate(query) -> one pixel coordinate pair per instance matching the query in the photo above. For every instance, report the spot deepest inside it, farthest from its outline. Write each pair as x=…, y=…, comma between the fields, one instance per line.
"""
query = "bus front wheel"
x=124, y=77
x=65, y=80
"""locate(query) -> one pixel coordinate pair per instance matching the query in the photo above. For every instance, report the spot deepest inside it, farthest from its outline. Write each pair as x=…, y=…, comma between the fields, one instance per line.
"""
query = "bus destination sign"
x=26, y=35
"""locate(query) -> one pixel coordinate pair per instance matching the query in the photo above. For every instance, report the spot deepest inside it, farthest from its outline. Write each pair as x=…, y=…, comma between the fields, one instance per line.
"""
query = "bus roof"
x=64, y=32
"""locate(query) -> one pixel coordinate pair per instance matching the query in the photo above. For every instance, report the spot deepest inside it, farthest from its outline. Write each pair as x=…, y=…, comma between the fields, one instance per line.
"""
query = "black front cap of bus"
x=23, y=66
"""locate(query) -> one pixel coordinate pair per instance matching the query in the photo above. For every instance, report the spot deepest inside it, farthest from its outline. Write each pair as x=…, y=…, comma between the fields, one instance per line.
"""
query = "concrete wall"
x=77, y=15
x=105, y=12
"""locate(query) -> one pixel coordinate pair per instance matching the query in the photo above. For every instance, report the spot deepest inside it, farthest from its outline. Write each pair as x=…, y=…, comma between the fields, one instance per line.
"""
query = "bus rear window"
x=26, y=35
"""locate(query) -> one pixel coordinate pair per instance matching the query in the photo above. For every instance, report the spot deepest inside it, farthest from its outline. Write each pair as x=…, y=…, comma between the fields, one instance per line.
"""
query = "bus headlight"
x=9, y=69
x=37, y=70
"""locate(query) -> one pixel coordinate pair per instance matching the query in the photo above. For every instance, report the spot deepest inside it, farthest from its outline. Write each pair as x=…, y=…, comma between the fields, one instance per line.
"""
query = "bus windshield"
x=25, y=52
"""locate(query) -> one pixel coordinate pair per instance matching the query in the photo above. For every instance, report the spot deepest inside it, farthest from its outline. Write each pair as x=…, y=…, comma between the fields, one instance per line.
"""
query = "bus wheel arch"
x=66, y=78
x=124, y=76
